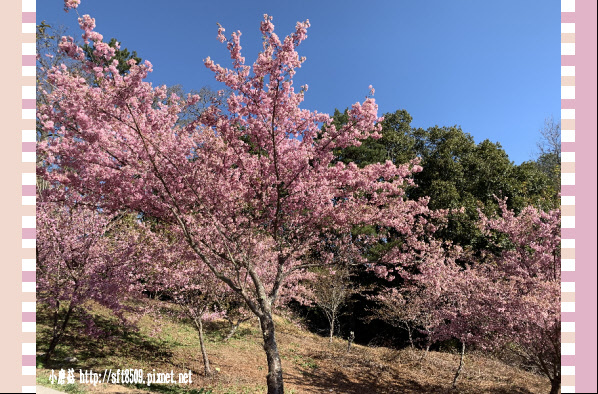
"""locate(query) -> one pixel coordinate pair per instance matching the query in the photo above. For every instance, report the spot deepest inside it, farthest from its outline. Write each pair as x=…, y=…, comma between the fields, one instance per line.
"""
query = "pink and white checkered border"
x=567, y=199
x=28, y=140
x=567, y=178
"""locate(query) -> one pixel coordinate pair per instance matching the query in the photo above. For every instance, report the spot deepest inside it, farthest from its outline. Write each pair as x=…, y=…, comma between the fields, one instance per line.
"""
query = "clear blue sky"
x=492, y=67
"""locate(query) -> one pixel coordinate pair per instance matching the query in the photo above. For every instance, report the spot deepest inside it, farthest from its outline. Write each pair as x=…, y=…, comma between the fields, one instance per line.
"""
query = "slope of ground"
x=311, y=364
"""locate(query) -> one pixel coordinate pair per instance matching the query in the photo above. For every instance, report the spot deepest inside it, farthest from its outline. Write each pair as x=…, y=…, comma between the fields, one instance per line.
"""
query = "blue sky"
x=491, y=67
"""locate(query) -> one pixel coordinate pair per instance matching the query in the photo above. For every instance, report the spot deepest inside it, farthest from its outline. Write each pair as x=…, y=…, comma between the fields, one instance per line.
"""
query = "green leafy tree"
x=457, y=172
x=121, y=55
x=396, y=144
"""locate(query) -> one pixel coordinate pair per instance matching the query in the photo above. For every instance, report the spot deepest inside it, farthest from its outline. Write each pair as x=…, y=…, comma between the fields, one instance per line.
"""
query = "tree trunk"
x=274, y=378
x=234, y=327
x=51, y=348
x=460, y=365
x=410, y=336
x=57, y=332
x=423, y=357
x=204, y=354
x=555, y=385
x=331, y=329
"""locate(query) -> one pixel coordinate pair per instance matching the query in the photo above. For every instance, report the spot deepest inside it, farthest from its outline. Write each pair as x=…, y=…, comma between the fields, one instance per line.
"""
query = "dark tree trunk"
x=555, y=385
x=274, y=378
x=350, y=340
x=51, y=348
x=204, y=354
x=460, y=365
x=57, y=332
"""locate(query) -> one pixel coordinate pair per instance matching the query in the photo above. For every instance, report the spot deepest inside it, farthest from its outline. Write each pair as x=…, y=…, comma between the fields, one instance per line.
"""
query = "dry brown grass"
x=311, y=364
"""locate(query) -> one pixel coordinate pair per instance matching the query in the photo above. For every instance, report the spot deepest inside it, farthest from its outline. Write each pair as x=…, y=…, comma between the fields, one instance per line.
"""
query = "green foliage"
x=396, y=144
x=457, y=172
x=122, y=55
x=533, y=186
x=43, y=34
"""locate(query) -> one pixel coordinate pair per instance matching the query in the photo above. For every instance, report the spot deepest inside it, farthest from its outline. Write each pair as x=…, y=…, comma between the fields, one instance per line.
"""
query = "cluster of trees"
x=458, y=173
x=234, y=204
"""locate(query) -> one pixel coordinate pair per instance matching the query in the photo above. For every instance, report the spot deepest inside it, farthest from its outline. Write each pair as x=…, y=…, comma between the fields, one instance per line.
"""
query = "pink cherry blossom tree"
x=438, y=291
x=410, y=310
x=250, y=189
x=84, y=256
x=527, y=274
x=509, y=297
x=175, y=273
x=198, y=293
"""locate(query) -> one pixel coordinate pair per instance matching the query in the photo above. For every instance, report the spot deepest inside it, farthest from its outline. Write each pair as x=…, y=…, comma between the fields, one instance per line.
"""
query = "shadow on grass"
x=340, y=382
x=115, y=341
x=215, y=330
x=361, y=377
x=118, y=344
x=169, y=389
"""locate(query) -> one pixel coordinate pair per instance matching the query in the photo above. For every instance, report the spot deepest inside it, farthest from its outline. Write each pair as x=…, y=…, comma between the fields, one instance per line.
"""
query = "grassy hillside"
x=311, y=364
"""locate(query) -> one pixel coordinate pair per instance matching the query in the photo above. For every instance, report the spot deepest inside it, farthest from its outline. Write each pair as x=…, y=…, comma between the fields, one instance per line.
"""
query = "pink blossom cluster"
x=71, y=4
x=507, y=298
x=85, y=257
